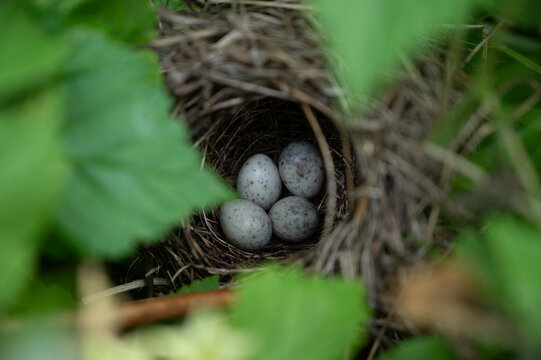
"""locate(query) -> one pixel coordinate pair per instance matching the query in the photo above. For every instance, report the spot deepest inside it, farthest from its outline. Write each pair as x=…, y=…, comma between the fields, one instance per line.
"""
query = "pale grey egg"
x=301, y=169
x=293, y=219
x=259, y=181
x=245, y=224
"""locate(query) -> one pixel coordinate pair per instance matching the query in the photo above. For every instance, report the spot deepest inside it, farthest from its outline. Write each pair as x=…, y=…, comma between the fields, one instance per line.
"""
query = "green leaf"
x=33, y=169
x=515, y=249
x=37, y=339
x=506, y=260
x=471, y=249
x=300, y=317
x=135, y=173
x=203, y=336
x=523, y=14
x=530, y=136
x=28, y=56
x=173, y=5
x=424, y=348
x=41, y=298
x=521, y=59
x=126, y=20
x=207, y=284
x=370, y=36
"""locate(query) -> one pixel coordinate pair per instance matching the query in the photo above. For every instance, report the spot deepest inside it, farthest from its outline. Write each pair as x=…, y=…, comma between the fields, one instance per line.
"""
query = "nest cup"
x=263, y=126
x=248, y=80
x=250, y=77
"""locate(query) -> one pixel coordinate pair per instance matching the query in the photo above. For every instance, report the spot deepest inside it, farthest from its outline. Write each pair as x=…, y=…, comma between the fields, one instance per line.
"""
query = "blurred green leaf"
x=173, y=5
x=27, y=55
x=109, y=347
x=33, y=169
x=517, y=154
x=530, y=137
x=370, y=36
x=203, y=336
x=301, y=317
x=515, y=249
x=37, y=339
x=521, y=59
x=506, y=261
x=207, y=284
x=42, y=298
x=423, y=348
x=127, y=20
x=523, y=13
x=135, y=174
x=471, y=248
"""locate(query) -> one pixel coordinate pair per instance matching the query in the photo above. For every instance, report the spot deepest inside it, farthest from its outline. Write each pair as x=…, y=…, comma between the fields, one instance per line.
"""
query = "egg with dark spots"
x=245, y=224
x=259, y=181
x=301, y=169
x=294, y=219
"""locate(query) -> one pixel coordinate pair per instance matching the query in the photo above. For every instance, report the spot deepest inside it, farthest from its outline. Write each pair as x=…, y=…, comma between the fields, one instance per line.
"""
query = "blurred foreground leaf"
x=423, y=348
x=135, y=174
x=32, y=173
x=206, y=284
x=506, y=259
x=515, y=249
x=300, y=317
x=27, y=56
x=173, y=5
x=522, y=59
x=126, y=20
x=370, y=36
x=203, y=336
x=42, y=298
x=37, y=339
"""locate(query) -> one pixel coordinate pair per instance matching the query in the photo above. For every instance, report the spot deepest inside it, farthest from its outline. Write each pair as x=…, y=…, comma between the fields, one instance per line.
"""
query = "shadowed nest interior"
x=250, y=77
x=263, y=126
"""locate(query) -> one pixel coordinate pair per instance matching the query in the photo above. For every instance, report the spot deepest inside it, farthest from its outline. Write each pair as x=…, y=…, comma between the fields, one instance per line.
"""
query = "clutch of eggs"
x=259, y=182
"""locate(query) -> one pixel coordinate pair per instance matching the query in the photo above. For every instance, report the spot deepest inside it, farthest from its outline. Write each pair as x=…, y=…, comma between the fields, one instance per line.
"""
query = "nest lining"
x=252, y=78
x=262, y=126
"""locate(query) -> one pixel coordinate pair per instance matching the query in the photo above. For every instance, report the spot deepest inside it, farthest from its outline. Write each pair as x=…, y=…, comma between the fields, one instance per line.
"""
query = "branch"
x=161, y=308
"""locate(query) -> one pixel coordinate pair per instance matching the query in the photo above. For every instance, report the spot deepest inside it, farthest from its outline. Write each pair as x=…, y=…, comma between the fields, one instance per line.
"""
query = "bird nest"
x=251, y=77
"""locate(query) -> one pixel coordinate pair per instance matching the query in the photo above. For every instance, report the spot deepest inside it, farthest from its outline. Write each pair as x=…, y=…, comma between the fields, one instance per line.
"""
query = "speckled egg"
x=245, y=224
x=301, y=169
x=259, y=181
x=293, y=219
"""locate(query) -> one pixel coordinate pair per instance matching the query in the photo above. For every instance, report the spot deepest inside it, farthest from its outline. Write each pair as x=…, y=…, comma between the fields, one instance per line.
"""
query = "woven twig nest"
x=250, y=77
